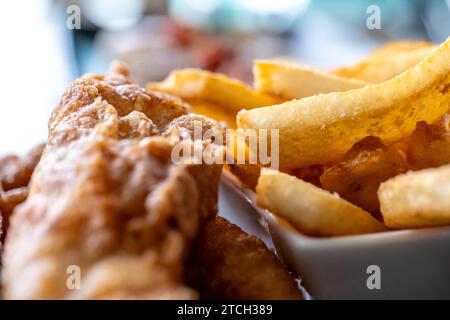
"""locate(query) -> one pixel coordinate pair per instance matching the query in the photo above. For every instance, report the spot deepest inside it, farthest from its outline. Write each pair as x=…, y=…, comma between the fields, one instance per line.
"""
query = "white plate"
x=413, y=264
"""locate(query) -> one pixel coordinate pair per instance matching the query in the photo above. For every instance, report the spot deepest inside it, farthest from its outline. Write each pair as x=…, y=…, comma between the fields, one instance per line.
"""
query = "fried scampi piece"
x=16, y=171
x=248, y=174
x=15, y=174
x=365, y=166
x=8, y=201
x=429, y=145
x=227, y=263
x=107, y=198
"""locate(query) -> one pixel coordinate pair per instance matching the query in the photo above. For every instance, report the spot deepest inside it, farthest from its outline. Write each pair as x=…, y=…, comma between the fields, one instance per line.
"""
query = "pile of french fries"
x=362, y=149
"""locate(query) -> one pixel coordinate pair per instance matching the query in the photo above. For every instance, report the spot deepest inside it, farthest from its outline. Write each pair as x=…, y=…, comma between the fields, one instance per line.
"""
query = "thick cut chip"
x=291, y=81
x=216, y=89
x=320, y=129
x=417, y=199
x=311, y=210
x=429, y=145
x=364, y=167
x=382, y=67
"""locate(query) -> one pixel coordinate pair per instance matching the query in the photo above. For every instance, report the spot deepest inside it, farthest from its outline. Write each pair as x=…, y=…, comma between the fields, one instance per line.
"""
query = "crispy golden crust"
x=107, y=198
x=126, y=97
x=316, y=212
x=227, y=263
x=417, y=199
x=321, y=129
x=207, y=176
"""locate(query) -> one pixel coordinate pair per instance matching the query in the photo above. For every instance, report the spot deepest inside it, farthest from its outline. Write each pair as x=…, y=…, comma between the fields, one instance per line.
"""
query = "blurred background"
x=42, y=52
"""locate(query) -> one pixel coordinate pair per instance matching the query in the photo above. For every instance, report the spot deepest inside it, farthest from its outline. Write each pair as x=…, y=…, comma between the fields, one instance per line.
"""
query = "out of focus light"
x=278, y=6
x=238, y=15
x=204, y=6
x=113, y=14
x=35, y=71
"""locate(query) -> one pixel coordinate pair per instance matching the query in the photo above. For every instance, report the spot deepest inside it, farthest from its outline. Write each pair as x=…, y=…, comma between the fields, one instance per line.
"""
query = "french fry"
x=383, y=66
x=292, y=81
x=320, y=129
x=216, y=89
x=215, y=112
x=311, y=210
x=401, y=46
x=417, y=199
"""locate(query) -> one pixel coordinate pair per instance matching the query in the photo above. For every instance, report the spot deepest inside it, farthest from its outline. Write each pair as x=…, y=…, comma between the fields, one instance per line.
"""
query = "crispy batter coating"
x=15, y=174
x=229, y=264
x=207, y=176
x=8, y=201
x=107, y=198
x=15, y=171
x=365, y=166
x=429, y=145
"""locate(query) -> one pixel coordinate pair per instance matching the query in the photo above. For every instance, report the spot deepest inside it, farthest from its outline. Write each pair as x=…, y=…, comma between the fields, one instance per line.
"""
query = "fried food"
x=292, y=81
x=213, y=94
x=107, y=198
x=229, y=264
x=364, y=167
x=16, y=171
x=247, y=173
x=429, y=145
x=214, y=112
x=311, y=210
x=15, y=174
x=401, y=46
x=320, y=129
x=309, y=174
x=218, y=89
x=417, y=199
x=8, y=201
x=383, y=66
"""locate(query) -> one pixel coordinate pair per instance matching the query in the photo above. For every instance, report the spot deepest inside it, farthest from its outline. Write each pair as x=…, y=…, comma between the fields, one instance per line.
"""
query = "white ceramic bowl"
x=413, y=264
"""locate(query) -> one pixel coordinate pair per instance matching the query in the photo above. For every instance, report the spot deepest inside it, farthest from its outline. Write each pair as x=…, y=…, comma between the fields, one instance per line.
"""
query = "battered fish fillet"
x=107, y=198
x=228, y=264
